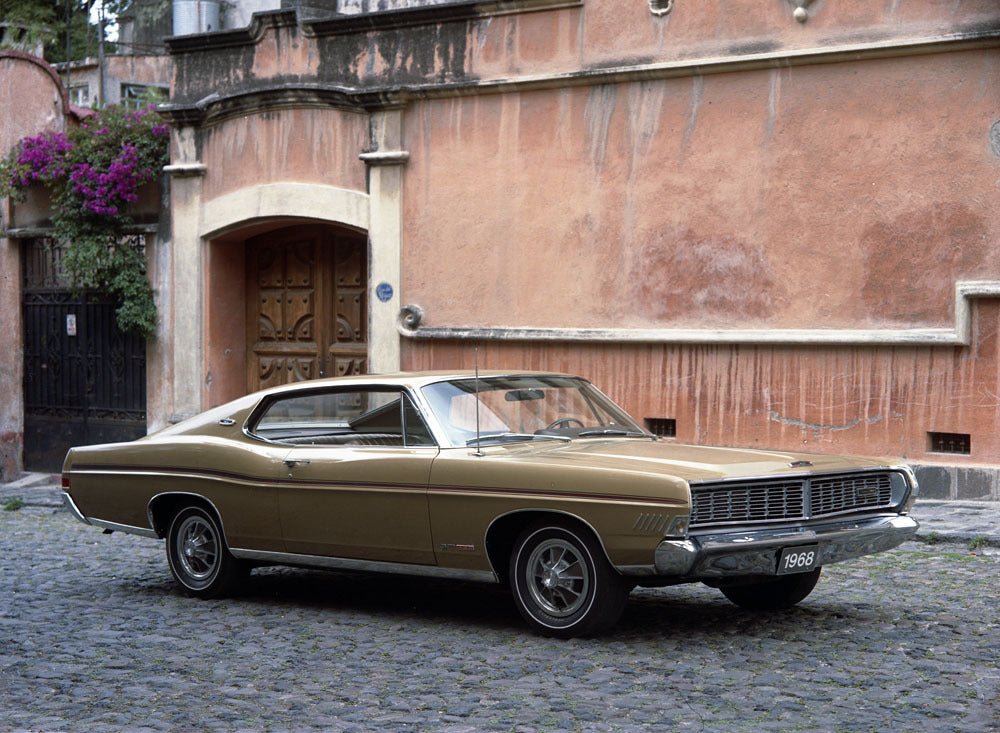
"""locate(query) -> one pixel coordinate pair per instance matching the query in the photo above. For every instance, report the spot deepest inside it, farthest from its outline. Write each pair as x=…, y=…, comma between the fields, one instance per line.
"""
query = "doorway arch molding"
x=284, y=200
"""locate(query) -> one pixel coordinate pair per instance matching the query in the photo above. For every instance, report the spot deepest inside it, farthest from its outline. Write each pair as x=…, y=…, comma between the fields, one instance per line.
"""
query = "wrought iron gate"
x=84, y=380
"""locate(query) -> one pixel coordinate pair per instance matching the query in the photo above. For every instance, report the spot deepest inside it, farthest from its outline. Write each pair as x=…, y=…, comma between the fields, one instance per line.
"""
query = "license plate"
x=798, y=559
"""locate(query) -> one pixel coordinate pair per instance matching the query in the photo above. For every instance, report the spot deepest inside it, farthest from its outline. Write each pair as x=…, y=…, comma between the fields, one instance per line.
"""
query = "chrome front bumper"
x=755, y=552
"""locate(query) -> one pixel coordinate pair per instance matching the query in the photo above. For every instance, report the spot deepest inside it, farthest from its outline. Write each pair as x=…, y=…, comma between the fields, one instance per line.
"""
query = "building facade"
x=768, y=224
x=33, y=101
x=754, y=223
x=68, y=374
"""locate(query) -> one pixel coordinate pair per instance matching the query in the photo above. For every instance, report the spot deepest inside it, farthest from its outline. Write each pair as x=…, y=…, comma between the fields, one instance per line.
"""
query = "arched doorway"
x=307, y=305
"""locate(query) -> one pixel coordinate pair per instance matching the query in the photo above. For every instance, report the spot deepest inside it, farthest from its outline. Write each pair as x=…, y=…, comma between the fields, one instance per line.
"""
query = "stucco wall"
x=850, y=195
x=854, y=400
x=301, y=145
x=494, y=43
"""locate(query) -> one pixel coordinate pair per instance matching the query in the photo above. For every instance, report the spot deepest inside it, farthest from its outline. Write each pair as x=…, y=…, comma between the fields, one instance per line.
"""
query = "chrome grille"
x=842, y=493
x=776, y=500
x=748, y=502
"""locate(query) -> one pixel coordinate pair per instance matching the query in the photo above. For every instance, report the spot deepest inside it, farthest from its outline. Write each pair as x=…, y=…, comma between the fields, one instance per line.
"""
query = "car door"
x=354, y=481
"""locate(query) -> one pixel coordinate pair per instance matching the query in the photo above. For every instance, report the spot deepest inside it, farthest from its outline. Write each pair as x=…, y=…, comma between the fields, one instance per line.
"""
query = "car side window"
x=415, y=429
x=355, y=417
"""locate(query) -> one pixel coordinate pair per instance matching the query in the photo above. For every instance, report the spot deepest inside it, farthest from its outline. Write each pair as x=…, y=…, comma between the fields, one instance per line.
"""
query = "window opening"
x=665, y=427
x=957, y=443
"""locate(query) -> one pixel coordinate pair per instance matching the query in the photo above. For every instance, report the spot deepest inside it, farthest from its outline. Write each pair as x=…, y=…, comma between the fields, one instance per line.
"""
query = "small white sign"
x=71, y=324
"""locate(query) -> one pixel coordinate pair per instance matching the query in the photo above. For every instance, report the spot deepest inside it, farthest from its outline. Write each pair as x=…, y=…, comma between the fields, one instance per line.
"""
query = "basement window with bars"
x=665, y=427
x=954, y=443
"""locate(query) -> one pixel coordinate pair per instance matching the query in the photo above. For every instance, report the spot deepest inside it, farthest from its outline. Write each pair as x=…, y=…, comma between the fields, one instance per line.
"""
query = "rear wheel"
x=773, y=595
x=562, y=584
x=198, y=556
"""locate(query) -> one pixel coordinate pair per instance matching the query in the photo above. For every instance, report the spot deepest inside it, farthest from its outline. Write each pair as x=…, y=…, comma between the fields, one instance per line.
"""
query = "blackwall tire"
x=562, y=583
x=773, y=595
x=198, y=557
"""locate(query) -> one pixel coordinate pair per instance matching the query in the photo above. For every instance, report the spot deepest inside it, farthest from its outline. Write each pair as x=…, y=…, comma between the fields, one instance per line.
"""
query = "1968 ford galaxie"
x=531, y=479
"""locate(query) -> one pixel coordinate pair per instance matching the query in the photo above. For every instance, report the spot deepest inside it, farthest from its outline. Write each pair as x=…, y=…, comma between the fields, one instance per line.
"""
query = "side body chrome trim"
x=369, y=566
x=72, y=507
x=103, y=524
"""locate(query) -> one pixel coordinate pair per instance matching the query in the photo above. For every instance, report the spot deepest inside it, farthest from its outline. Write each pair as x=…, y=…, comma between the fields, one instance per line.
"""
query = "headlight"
x=911, y=499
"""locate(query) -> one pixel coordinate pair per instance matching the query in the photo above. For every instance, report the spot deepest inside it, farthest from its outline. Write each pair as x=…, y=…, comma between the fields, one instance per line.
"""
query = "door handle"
x=292, y=461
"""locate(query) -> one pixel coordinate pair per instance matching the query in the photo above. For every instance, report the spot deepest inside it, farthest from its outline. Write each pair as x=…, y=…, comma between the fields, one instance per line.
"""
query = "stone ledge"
x=970, y=483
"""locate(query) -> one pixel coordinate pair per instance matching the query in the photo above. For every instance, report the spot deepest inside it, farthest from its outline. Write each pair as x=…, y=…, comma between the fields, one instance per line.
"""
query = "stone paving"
x=94, y=636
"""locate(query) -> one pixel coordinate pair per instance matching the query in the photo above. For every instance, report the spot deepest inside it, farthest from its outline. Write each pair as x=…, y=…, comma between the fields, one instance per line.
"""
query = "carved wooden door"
x=307, y=313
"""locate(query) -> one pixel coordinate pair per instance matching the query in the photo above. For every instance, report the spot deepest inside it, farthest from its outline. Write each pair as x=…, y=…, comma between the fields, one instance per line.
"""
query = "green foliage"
x=13, y=504
x=934, y=538
x=95, y=172
x=48, y=17
x=978, y=543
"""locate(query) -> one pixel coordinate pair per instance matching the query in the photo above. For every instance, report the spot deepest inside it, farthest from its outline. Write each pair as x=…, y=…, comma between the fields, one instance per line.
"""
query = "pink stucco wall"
x=302, y=145
x=848, y=195
x=876, y=401
x=835, y=196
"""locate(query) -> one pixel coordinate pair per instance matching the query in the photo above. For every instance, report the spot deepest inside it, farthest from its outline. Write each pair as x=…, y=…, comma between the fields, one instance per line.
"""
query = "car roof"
x=409, y=379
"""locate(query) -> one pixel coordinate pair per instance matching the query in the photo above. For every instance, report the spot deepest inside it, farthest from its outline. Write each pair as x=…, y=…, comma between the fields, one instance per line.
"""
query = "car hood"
x=688, y=462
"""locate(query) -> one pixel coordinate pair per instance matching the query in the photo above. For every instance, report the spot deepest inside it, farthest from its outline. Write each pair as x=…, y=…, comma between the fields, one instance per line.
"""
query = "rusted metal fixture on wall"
x=801, y=12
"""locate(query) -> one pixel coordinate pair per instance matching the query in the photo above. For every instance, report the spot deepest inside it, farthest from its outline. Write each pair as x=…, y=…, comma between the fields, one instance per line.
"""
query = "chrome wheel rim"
x=558, y=578
x=197, y=548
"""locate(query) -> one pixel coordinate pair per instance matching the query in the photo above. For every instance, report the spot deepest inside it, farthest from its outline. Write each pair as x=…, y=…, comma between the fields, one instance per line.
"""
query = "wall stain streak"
x=775, y=417
x=773, y=97
x=597, y=119
x=644, y=109
x=697, y=92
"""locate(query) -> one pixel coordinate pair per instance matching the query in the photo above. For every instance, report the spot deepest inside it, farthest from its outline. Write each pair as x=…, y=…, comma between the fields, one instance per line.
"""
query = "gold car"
x=536, y=480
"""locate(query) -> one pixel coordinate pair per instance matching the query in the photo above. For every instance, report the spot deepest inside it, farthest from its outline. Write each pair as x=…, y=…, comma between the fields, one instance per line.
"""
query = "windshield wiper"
x=504, y=437
x=617, y=432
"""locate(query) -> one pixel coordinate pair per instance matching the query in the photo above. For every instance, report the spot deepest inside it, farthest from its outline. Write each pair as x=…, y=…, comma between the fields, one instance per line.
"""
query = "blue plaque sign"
x=383, y=291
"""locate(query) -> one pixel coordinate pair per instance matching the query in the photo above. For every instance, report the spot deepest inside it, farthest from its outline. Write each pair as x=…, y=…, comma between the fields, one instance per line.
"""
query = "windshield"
x=523, y=408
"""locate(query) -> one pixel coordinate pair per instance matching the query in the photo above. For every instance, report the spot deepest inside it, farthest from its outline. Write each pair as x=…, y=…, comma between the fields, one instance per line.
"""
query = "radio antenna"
x=479, y=447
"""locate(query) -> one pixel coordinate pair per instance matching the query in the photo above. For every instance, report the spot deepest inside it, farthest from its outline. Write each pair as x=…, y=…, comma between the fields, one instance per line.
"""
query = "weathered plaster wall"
x=31, y=102
x=834, y=196
x=474, y=46
x=303, y=145
x=154, y=70
x=31, y=98
x=861, y=400
x=225, y=322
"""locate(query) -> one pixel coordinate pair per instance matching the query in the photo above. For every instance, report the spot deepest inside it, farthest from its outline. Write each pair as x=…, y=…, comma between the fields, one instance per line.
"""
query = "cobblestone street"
x=94, y=636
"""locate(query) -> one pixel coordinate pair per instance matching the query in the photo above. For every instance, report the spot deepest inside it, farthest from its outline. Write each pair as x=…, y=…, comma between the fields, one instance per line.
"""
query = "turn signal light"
x=678, y=526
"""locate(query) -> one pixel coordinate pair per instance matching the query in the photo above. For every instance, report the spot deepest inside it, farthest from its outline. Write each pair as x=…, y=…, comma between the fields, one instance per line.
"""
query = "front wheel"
x=562, y=584
x=773, y=595
x=198, y=556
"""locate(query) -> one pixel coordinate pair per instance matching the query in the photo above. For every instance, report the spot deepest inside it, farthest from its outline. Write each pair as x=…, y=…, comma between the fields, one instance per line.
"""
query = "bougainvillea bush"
x=95, y=172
